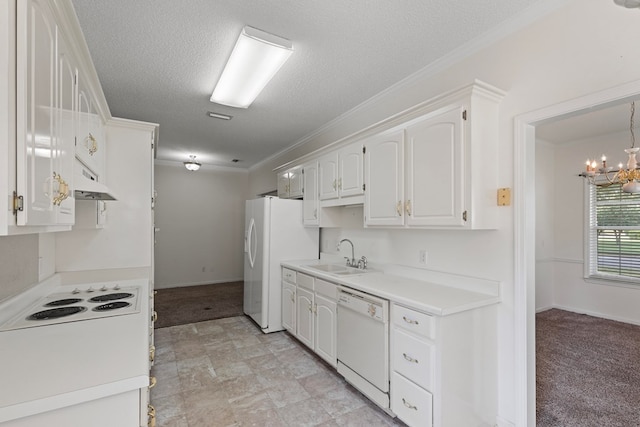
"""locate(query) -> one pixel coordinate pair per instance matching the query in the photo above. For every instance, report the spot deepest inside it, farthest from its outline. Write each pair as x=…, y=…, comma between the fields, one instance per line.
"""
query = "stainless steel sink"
x=337, y=269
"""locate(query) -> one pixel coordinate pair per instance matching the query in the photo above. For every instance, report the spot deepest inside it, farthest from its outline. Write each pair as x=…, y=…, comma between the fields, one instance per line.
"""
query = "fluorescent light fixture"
x=255, y=59
x=219, y=116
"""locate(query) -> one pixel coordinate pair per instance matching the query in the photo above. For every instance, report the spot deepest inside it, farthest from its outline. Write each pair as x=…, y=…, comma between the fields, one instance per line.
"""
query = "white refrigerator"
x=273, y=233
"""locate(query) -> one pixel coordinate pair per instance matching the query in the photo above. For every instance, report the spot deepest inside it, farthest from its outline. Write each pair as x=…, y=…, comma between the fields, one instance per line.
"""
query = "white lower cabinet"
x=443, y=367
x=326, y=322
x=289, y=300
x=309, y=312
x=304, y=316
x=411, y=403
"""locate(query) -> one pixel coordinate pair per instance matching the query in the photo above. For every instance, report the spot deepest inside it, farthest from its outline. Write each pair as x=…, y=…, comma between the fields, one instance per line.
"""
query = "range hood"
x=87, y=186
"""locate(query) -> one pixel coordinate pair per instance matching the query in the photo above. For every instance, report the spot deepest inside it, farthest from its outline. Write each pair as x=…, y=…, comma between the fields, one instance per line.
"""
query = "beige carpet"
x=191, y=304
x=588, y=371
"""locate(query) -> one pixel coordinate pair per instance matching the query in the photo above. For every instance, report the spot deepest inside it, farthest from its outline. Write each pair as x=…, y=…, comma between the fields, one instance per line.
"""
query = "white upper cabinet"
x=290, y=183
x=384, y=175
x=90, y=145
x=310, y=201
x=340, y=175
x=434, y=170
x=45, y=118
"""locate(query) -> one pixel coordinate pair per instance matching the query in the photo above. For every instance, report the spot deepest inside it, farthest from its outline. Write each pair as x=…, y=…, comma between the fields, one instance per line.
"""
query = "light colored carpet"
x=588, y=371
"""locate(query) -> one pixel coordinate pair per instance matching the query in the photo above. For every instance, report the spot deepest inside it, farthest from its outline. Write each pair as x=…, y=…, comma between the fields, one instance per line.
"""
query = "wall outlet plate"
x=422, y=257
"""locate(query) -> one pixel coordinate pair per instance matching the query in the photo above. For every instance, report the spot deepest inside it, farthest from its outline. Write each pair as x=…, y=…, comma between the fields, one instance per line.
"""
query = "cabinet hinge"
x=364, y=150
x=18, y=203
x=464, y=115
x=464, y=215
x=364, y=186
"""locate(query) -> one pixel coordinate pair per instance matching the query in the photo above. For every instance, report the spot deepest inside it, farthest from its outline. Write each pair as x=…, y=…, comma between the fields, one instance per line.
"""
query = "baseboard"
x=596, y=314
x=545, y=308
x=208, y=282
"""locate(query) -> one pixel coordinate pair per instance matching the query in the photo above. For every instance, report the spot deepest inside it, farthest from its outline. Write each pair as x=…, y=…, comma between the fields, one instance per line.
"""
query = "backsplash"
x=18, y=264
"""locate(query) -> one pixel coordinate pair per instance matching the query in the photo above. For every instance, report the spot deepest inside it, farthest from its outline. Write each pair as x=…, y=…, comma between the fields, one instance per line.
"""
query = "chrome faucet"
x=361, y=263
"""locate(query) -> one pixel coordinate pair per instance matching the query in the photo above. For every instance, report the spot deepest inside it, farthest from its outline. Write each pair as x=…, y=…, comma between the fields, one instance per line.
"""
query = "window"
x=613, y=234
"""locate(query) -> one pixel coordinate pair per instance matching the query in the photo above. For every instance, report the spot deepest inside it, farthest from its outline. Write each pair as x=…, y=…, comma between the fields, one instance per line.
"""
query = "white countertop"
x=423, y=295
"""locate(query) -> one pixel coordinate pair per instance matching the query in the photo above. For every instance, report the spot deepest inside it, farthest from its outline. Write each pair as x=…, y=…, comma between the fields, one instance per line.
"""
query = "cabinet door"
x=350, y=170
x=36, y=112
x=295, y=182
x=90, y=144
x=434, y=167
x=66, y=129
x=325, y=330
x=304, y=316
x=283, y=185
x=328, y=176
x=289, y=307
x=310, y=202
x=384, y=170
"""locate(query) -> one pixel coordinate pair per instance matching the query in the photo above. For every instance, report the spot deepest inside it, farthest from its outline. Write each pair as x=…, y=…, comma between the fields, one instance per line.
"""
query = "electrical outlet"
x=422, y=257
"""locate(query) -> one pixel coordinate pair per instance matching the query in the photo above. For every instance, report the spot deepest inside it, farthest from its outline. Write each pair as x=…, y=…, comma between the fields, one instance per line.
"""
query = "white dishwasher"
x=363, y=343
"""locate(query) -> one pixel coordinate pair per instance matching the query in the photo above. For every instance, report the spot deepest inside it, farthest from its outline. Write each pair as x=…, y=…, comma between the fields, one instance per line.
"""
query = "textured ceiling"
x=158, y=61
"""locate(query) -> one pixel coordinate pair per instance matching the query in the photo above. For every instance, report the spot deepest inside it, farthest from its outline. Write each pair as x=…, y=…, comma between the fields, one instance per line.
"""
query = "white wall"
x=571, y=291
x=545, y=216
x=126, y=240
x=201, y=220
x=583, y=47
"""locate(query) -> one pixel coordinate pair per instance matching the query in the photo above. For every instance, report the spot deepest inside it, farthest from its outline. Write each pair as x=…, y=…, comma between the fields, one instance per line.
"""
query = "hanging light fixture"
x=255, y=59
x=192, y=165
x=605, y=176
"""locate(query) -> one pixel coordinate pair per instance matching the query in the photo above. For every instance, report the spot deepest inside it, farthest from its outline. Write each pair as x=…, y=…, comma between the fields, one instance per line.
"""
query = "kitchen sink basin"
x=337, y=269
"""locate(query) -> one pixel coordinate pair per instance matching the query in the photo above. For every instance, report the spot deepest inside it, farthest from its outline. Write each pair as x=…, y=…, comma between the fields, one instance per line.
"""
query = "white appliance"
x=273, y=233
x=363, y=343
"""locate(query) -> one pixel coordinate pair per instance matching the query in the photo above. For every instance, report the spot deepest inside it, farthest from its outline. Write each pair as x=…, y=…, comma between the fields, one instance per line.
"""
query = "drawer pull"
x=409, y=321
x=409, y=405
x=409, y=358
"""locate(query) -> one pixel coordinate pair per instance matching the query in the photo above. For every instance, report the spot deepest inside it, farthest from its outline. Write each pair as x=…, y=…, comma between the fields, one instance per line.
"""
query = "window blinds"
x=614, y=233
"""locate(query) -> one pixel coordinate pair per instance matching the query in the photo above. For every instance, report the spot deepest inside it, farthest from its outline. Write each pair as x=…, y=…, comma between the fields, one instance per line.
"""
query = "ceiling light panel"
x=256, y=58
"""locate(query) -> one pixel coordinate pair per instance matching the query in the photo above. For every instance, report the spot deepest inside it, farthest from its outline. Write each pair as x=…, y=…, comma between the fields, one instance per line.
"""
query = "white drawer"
x=410, y=403
x=305, y=281
x=327, y=289
x=288, y=275
x=413, y=358
x=414, y=321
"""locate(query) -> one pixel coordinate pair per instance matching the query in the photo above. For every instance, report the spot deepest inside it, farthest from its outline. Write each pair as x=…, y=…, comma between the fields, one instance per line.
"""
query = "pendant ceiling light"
x=605, y=176
x=255, y=59
x=192, y=165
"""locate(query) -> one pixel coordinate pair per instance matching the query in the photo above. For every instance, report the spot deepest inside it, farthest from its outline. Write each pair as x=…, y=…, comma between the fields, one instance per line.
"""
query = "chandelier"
x=604, y=176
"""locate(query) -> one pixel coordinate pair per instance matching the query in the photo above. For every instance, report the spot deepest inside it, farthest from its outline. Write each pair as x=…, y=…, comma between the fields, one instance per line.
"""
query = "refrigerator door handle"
x=252, y=238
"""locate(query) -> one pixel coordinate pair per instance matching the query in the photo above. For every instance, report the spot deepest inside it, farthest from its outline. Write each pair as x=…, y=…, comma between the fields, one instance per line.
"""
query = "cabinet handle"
x=63, y=190
x=399, y=207
x=92, y=144
x=152, y=353
x=293, y=298
x=340, y=184
x=409, y=358
x=154, y=316
x=315, y=213
x=335, y=184
x=152, y=382
x=409, y=405
x=151, y=412
x=407, y=207
x=409, y=321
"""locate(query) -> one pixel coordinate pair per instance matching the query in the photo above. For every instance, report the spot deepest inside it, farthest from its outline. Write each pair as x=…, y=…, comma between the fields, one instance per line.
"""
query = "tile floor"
x=226, y=372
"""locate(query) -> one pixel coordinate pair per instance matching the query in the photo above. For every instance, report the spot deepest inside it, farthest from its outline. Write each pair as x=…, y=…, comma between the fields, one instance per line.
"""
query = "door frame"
x=524, y=232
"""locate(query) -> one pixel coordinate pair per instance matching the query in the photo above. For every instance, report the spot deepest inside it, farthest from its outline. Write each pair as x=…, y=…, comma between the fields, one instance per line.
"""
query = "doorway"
x=524, y=231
